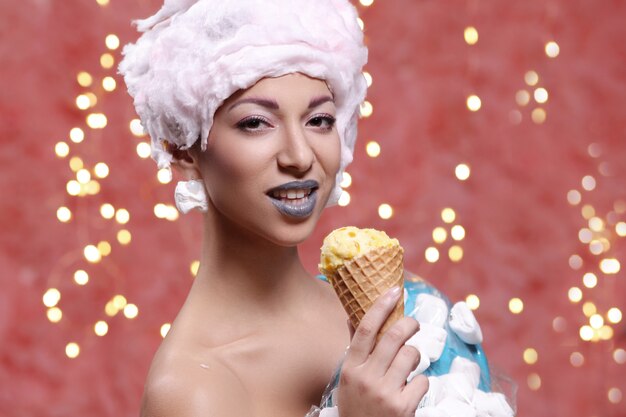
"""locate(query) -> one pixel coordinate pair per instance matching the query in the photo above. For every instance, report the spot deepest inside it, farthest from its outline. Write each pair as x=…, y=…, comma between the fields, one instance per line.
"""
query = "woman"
x=271, y=90
x=255, y=102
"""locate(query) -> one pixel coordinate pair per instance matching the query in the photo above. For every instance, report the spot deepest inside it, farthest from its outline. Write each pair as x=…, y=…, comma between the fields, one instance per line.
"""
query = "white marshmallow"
x=429, y=340
x=461, y=365
x=464, y=324
x=456, y=408
x=458, y=387
x=430, y=412
x=430, y=309
x=492, y=404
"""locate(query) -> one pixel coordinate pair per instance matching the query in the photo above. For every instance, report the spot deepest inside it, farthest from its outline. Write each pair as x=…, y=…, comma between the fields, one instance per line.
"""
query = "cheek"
x=329, y=156
x=230, y=166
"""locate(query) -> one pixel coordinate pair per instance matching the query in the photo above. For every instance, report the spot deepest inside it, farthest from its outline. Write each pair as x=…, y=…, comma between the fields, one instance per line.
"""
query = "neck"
x=236, y=264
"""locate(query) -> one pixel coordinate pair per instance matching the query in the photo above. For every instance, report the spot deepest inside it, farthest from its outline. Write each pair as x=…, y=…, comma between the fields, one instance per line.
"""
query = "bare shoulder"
x=184, y=387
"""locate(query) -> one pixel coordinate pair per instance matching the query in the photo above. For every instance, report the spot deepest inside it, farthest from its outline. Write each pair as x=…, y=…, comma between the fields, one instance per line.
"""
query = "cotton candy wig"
x=194, y=54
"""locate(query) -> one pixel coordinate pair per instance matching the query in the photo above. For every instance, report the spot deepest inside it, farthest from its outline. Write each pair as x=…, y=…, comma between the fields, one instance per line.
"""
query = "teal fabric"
x=454, y=345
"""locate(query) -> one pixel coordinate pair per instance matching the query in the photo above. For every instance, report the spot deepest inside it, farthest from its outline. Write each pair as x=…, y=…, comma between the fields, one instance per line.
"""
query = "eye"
x=323, y=121
x=253, y=123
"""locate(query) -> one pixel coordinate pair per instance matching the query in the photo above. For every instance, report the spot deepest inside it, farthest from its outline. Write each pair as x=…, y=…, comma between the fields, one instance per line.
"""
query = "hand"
x=373, y=376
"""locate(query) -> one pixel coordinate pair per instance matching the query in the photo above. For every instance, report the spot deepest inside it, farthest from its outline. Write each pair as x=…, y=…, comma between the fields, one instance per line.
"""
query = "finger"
x=365, y=334
x=391, y=342
x=403, y=364
x=415, y=391
x=350, y=328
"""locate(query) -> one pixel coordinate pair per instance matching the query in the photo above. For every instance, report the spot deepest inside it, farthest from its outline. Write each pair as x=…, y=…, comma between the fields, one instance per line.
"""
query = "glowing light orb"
x=431, y=254
x=385, y=211
x=165, y=328
x=474, y=103
x=470, y=34
x=462, y=172
x=72, y=350
x=51, y=297
x=552, y=49
x=112, y=41
x=344, y=199
x=473, y=302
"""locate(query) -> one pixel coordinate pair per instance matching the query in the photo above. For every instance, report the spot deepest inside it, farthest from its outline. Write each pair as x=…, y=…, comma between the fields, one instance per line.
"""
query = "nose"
x=296, y=153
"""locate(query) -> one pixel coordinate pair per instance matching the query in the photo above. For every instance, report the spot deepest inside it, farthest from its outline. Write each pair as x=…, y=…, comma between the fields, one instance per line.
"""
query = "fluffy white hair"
x=194, y=54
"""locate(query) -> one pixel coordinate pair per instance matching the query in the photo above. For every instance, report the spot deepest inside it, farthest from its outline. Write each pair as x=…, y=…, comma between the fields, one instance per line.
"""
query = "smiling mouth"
x=296, y=198
x=292, y=196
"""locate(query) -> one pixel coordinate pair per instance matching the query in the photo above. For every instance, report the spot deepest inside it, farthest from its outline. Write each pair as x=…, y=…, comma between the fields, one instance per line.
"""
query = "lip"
x=307, y=184
x=300, y=208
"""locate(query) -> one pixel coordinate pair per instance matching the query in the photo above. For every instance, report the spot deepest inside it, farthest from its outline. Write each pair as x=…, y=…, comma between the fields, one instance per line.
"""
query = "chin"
x=292, y=234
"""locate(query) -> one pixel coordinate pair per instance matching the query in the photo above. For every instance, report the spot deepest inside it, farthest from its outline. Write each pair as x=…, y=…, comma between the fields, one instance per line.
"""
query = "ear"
x=185, y=163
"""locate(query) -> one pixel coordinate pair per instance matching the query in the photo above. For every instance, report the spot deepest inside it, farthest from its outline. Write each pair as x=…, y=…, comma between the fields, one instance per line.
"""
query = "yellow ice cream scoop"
x=361, y=265
x=348, y=242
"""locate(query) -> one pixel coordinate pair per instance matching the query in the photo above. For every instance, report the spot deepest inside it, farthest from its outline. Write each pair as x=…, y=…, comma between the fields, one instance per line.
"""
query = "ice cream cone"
x=364, y=278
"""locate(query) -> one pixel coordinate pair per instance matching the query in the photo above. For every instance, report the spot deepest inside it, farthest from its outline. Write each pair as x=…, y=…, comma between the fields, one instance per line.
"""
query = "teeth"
x=291, y=194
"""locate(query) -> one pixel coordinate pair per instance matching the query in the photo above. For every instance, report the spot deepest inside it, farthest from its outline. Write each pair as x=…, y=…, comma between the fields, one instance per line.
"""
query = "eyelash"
x=330, y=120
x=244, y=124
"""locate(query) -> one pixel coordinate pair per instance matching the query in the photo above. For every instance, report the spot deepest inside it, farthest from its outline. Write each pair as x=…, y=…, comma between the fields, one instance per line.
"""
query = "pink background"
x=520, y=228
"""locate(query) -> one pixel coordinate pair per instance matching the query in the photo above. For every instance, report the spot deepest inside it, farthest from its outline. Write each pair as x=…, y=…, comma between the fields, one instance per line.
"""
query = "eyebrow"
x=271, y=104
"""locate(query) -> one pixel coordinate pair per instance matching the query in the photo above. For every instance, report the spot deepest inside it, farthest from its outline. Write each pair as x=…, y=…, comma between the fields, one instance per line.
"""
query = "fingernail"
x=394, y=293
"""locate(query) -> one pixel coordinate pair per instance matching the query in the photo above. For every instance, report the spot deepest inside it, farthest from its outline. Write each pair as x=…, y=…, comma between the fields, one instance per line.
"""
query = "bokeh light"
x=112, y=41
x=344, y=199
x=81, y=277
x=448, y=215
x=530, y=356
x=455, y=253
x=346, y=180
x=51, y=297
x=534, y=381
x=462, y=172
x=473, y=302
x=516, y=305
x=366, y=109
x=84, y=79
x=64, y=214
x=431, y=254
x=385, y=211
x=165, y=328
x=531, y=78
x=471, y=35
x=372, y=148
x=439, y=235
x=131, y=311
x=143, y=150
x=577, y=359
x=575, y=294
x=614, y=315
x=474, y=103
x=107, y=61
x=457, y=232
x=124, y=237
x=101, y=328
x=72, y=350
x=552, y=49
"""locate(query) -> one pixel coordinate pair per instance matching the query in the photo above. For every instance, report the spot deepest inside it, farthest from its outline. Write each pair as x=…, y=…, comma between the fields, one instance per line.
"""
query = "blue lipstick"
x=296, y=198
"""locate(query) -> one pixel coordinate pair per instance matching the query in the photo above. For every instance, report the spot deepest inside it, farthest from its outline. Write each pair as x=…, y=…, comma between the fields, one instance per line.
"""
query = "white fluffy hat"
x=194, y=54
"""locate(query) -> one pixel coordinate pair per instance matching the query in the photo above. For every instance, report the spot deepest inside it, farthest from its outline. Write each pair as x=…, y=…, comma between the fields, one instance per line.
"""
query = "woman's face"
x=272, y=156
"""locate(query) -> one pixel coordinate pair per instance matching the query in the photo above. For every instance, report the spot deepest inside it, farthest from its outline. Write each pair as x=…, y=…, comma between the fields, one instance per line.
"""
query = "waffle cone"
x=361, y=280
